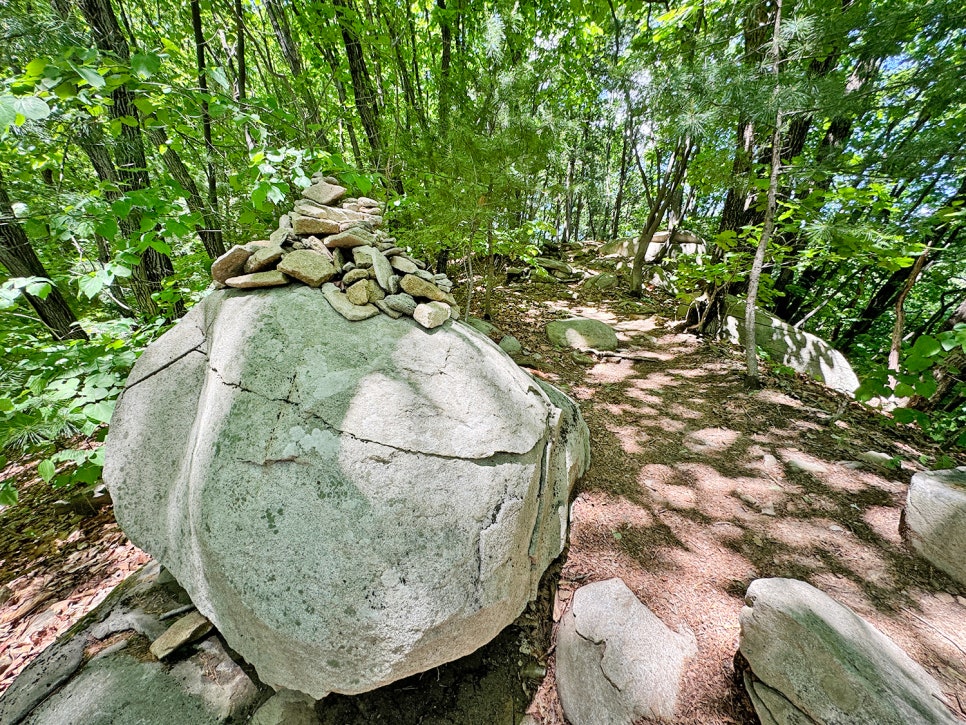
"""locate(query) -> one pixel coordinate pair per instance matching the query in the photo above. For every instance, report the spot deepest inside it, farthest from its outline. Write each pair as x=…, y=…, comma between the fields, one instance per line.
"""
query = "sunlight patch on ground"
x=630, y=438
x=641, y=392
x=708, y=440
x=657, y=380
x=688, y=413
x=778, y=398
x=666, y=424
x=884, y=521
x=610, y=372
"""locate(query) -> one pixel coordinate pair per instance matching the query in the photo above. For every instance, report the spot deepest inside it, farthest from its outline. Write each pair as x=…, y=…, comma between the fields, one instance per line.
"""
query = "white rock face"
x=816, y=661
x=616, y=661
x=349, y=503
x=936, y=516
x=799, y=350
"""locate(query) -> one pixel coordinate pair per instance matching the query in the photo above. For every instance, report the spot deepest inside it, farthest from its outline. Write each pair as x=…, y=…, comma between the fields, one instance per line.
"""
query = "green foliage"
x=56, y=397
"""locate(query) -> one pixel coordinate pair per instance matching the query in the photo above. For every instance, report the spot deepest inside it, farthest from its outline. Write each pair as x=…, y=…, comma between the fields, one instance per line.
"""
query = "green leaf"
x=6, y=405
x=122, y=207
x=31, y=107
x=909, y=415
x=926, y=387
x=108, y=228
x=36, y=67
x=8, y=494
x=38, y=289
x=100, y=412
x=95, y=79
x=926, y=346
x=916, y=363
x=46, y=470
x=91, y=286
x=904, y=390
x=145, y=65
x=7, y=113
x=218, y=76
x=160, y=246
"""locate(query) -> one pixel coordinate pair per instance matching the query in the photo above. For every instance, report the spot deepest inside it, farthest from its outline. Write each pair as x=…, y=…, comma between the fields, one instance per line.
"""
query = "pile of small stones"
x=335, y=244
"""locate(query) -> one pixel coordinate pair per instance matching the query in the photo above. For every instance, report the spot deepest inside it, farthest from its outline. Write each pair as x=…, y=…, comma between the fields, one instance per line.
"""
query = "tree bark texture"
x=20, y=260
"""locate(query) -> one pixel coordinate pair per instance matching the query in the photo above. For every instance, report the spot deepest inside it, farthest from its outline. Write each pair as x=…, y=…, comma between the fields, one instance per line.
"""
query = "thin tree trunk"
x=20, y=260
x=208, y=232
x=621, y=181
x=148, y=276
x=283, y=34
x=896, y=344
x=446, y=38
x=211, y=238
x=365, y=94
x=754, y=277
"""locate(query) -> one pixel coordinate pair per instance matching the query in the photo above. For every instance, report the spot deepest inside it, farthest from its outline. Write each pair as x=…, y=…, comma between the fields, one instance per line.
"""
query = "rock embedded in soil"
x=813, y=660
x=787, y=345
x=582, y=333
x=349, y=505
x=286, y=708
x=616, y=661
x=936, y=519
x=102, y=672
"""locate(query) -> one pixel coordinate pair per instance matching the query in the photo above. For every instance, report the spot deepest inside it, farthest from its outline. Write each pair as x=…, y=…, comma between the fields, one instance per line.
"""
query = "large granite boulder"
x=935, y=517
x=616, y=661
x=349, y=503
x=814, y=660
x=799, y=350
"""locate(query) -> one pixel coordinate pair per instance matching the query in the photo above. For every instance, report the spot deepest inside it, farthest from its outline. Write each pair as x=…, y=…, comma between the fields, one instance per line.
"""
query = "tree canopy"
x=138, y=141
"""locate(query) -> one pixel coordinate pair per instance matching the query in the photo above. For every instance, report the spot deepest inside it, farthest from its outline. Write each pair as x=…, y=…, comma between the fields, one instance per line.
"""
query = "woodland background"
x=138, y=141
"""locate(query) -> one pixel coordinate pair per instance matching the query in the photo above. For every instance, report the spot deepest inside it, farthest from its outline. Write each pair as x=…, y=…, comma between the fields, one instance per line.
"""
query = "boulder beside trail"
x=582, y=333
x=813, y=660
x=936, y=519
x=349, y=503
x=802, y=351
x=616, y=661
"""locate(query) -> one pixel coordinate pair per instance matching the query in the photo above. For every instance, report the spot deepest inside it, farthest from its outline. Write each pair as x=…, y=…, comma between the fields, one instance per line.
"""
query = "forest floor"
x=697, y=486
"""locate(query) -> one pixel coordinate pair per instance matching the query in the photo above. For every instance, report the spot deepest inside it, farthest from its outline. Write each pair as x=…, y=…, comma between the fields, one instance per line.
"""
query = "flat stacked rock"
x=334, y=244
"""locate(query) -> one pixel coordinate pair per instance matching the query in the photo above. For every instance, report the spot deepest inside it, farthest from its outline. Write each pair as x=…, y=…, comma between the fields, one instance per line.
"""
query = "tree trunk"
x=20, y=260
x=211, y=237
x=362, y=88
x=290, y=51
x=446, y=39
x=754, y=277
x=148, y=276
x=208, y=231
x=621, y=181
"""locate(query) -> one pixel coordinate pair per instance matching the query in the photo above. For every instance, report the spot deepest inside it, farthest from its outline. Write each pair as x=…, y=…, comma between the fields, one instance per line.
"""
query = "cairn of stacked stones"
x=334, y=244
